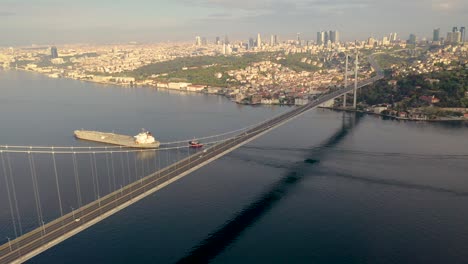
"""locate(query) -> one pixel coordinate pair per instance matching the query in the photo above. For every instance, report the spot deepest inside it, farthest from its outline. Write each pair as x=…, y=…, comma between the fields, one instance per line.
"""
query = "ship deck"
x=113, y=139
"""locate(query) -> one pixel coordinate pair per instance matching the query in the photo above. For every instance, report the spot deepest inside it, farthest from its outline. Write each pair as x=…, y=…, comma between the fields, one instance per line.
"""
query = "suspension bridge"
x=88, y=184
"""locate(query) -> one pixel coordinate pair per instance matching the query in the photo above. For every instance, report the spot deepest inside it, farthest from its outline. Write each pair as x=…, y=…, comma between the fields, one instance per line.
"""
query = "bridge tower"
x=355, y=80
x=345, y=81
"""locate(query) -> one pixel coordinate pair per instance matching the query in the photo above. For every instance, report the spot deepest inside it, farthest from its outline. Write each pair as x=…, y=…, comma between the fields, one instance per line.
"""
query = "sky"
x=26, y=22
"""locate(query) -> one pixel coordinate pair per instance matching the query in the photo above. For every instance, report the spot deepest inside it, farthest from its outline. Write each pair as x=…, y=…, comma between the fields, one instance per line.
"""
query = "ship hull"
x=113, y=139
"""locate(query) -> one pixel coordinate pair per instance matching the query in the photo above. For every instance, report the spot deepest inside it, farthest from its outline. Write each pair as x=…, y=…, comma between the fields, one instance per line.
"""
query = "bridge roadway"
x=44, y=237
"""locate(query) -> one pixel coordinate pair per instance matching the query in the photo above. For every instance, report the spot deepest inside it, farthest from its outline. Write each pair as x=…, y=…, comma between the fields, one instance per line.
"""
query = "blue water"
x=327, y=187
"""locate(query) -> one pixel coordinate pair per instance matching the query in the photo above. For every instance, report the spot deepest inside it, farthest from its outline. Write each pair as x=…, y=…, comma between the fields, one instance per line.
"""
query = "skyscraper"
x=320, y=38
x=198, y=41
x=436, y=34
x=217, y=41
x=412, y=39
x=463, y=34
x=259, y=40
x=334, y=36
x=272, y=40
x=299, y=42
x=251, y=43
x=53, y=52
x=326, y=37
x=393, y=37
x=226, y=39
x=455, y=29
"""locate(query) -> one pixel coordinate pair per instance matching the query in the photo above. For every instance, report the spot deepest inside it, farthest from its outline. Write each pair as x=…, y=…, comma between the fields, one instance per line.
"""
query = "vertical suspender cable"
x=128, y=167
x=96, y=174
x=7, y=184
x=35, y=189
x=57, y=184
x=113, y=171
x=18, y=216
x=122, y=168
x=92, y=176
x=77, y=180
x=108, y=173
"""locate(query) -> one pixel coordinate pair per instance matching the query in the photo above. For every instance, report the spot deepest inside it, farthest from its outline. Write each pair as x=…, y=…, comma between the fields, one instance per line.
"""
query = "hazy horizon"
x=26, y=22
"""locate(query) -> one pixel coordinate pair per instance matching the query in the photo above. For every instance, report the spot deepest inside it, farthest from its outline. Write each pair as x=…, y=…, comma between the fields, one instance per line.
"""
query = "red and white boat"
x=195, y=144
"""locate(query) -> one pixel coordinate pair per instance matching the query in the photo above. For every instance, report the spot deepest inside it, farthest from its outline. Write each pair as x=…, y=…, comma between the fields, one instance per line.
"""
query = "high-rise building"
x=385, y=41
x=272, y=40
x=455, y=29
x=276, y=40
x=53, y=52
x=436, y=34
x=259, y=40
x=320, y=38
x=251, y=43
x=326, y=38
x=449, y=38
x=393, y=37
x=299, y=39
x=198, y=41
x=463, y=34
x=412, y=39
x=226, y=40
x=218, y=41
x=457, y=37
x=334, y=36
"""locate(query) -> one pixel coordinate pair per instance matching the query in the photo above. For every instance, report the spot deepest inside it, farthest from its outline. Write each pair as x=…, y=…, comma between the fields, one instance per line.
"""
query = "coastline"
x=127, y=85
x=395, y=117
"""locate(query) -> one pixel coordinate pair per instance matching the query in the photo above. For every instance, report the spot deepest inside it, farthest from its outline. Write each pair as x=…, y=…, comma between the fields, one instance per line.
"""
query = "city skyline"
x=28, y=22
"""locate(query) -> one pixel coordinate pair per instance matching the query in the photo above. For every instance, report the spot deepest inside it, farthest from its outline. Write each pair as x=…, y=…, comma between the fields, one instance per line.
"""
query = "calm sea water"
x=327, y=187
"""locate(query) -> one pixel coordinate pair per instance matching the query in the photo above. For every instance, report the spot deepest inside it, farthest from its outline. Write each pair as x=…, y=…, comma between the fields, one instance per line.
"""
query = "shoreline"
x=395, y=117
x=127, y=85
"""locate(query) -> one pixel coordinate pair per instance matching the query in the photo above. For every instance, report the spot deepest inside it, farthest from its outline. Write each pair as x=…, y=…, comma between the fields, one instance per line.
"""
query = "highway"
x=44, y=237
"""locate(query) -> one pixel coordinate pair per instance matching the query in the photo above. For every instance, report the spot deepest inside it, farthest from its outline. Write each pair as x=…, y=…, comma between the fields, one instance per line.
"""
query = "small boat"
x=195, y=144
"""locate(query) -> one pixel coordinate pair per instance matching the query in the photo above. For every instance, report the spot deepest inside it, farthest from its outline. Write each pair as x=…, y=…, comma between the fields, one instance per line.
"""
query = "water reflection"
x=220, y=239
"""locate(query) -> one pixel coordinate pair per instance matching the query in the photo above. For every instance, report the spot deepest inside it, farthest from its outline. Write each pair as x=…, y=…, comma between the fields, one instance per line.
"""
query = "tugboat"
x=195, y=144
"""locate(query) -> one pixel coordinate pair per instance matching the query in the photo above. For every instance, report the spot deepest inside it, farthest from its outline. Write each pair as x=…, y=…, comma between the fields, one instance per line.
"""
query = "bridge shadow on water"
x=220, y=239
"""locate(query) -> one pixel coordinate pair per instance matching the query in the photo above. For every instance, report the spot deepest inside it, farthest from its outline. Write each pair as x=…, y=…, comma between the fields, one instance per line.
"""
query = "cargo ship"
x=142, y=140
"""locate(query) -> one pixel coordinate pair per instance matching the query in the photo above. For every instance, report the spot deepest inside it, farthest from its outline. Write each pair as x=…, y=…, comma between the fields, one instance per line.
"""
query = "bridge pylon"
x=355, y=80
x=345, y=81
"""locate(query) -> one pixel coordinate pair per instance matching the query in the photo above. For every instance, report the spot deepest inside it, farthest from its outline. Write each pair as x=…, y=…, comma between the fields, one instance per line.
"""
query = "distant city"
x=264, y=69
